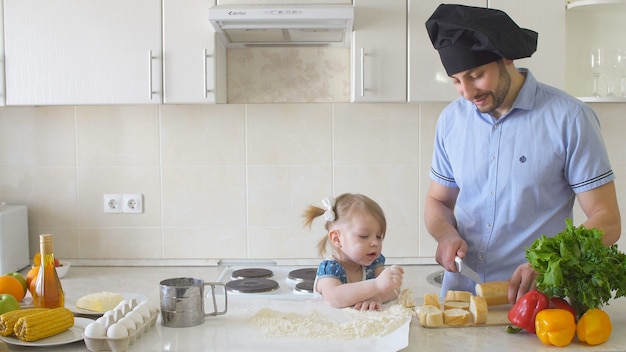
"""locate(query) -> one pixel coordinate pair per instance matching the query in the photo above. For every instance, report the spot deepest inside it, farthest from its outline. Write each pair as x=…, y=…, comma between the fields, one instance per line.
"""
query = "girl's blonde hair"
x=345, y=204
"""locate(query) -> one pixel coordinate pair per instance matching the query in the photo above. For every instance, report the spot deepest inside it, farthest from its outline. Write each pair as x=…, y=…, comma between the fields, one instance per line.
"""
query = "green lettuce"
x=576, y=264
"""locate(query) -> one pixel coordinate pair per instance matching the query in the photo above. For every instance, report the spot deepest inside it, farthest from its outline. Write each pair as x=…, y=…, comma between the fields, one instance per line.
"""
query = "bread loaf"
x=461, y=296
x=478, y=308
x=430, y=316
x=406, y=298
x=494, y=292
x=431, y=299
x=456, y=317
x=456, y=305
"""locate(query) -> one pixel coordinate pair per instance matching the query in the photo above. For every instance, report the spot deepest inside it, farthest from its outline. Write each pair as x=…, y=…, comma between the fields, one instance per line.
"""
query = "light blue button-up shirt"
x=517, y=175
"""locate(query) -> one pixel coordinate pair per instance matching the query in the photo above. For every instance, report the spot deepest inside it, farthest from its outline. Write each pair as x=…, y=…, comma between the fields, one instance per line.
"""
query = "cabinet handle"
x=362, y=72
x=205, y=56
x=150, y=91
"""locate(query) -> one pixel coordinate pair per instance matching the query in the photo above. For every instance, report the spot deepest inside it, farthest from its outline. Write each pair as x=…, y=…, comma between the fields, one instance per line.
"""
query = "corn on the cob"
x=8, y=319
x=44, y=324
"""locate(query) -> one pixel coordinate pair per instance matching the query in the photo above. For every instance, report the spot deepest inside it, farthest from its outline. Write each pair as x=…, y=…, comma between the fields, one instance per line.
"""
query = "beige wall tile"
x=37, y=136
x=117, y=135
x=376, y=134
x=282, y=243
x=429, y=114
x=289, y=134
x=203, y=134
x=204, y=196
x=121, y=243
x=205, y=242
x=277, y=195
x=65, y=241
x=394, y=187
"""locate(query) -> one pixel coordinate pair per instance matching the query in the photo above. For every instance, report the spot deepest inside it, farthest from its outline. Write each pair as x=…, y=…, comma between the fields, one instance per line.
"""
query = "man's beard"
x=504, y=83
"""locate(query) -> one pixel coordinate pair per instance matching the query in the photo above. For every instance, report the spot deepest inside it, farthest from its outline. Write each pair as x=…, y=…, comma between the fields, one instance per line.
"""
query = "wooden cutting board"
x=496, y=316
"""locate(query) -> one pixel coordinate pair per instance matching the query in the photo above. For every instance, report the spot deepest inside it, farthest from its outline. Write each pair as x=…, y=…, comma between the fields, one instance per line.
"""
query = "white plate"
x=74, y=334
x=71, y=305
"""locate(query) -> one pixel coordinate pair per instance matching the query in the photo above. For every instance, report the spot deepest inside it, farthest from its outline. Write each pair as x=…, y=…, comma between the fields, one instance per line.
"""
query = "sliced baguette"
x=461, y=296
x=430, y=316
x=431, y=299
x=456, y=305
x=456, y=317
x=494, y=292
x=479, y=310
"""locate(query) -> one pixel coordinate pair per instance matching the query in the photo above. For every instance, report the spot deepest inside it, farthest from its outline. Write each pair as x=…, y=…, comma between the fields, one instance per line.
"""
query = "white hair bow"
x=329, y=203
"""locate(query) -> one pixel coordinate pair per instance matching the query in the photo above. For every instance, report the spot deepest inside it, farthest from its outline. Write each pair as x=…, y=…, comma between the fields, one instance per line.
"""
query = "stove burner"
x=252, y=273
x=251, y=285
x=304, y=287
x=306, y=274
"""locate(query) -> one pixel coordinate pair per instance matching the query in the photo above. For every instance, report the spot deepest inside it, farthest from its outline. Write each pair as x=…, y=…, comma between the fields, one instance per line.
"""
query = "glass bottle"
x=48, y=291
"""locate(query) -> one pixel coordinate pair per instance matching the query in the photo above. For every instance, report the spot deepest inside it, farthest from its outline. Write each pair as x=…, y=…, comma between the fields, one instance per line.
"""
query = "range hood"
x=240, y=26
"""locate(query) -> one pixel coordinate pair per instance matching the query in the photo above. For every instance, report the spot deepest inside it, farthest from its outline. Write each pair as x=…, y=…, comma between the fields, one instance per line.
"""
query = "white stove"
x=269, y=281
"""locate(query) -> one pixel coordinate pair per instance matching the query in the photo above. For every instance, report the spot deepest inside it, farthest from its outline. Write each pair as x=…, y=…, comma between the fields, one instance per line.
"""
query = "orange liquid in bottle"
x=48, y=291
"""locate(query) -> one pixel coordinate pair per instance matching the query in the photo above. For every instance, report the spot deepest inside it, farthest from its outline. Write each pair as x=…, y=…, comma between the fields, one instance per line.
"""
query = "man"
x=511, y=155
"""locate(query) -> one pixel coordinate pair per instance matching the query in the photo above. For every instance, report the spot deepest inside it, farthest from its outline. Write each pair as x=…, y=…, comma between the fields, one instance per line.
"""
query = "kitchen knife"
x=467, y=271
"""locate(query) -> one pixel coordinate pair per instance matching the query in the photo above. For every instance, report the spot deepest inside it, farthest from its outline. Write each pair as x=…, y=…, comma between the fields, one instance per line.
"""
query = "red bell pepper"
x=523, y=313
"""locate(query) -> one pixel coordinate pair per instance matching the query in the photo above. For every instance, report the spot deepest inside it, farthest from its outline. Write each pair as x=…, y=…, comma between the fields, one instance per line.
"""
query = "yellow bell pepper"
x=594, y=327
x=555, y=327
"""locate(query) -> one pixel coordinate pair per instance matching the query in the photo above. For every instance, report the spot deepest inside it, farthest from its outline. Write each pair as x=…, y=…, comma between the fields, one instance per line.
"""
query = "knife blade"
x=467, y=271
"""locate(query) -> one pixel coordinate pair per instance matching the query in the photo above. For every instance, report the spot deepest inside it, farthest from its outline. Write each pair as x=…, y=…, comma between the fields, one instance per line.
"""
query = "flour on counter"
x=355, y=324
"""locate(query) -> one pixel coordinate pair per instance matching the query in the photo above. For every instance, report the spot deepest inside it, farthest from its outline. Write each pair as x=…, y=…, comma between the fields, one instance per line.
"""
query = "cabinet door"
x=428, y=80
x=82, y=51
x=194, y=63
x=2, y=96
x=379, y=51
x=548, y=19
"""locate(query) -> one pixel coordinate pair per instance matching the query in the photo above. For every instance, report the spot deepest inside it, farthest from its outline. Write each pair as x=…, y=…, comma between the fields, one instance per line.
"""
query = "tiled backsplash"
x=224, y=181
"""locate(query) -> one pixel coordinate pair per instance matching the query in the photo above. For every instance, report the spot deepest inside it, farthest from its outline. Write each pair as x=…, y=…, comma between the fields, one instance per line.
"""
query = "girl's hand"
x=390, y=280
x=370, y=304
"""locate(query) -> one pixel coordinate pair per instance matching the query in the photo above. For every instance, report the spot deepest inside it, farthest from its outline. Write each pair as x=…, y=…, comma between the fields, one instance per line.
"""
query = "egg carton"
x=121, y=344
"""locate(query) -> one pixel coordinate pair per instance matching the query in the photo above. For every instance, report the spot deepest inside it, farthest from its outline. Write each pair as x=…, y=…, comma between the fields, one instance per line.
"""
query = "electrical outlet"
x=113, y=203
x=132, y=203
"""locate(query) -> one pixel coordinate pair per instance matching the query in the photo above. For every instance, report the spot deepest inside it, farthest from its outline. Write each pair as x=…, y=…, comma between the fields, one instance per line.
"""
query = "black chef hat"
x=468, y=37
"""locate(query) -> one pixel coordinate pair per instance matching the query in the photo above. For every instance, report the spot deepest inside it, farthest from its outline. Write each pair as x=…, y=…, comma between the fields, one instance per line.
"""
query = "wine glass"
x=597, y=60
x=620, y=68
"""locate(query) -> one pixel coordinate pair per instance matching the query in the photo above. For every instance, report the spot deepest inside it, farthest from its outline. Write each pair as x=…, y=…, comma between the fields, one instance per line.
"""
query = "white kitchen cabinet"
x=281, y=2
x=194, y=62
x=2, y=99
x=589, y=24
x=379, y=51
x=428, y=80
x=548, y=19
x=83, y=52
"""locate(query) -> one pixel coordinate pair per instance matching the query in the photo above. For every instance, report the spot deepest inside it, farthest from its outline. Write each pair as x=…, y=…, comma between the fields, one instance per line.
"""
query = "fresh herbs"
x=577, y=265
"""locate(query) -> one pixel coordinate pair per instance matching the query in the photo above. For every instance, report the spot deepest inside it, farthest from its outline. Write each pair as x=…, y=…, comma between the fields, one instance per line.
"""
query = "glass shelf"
x=588, y=4
x=603, y=99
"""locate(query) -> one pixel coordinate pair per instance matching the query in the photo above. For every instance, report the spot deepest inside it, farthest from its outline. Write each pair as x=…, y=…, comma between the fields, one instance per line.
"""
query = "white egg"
x=117, y=331
x=136, y=316
x=144, y=311
x=95, y=329
x=151, y=307
x=129, y=323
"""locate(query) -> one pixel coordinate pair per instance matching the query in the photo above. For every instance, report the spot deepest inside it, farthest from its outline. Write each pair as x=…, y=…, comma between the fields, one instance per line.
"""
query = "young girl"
x=354, y=275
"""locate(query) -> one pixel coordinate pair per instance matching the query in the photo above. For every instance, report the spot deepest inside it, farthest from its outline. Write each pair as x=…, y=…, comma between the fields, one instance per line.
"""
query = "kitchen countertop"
x=145, y=281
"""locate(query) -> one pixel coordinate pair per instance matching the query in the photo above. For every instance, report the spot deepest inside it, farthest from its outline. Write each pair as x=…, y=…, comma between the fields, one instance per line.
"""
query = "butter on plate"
x=99, y=301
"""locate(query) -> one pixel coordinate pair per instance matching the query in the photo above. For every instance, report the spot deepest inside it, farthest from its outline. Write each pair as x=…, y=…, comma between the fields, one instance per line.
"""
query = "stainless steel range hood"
x=279, y=25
